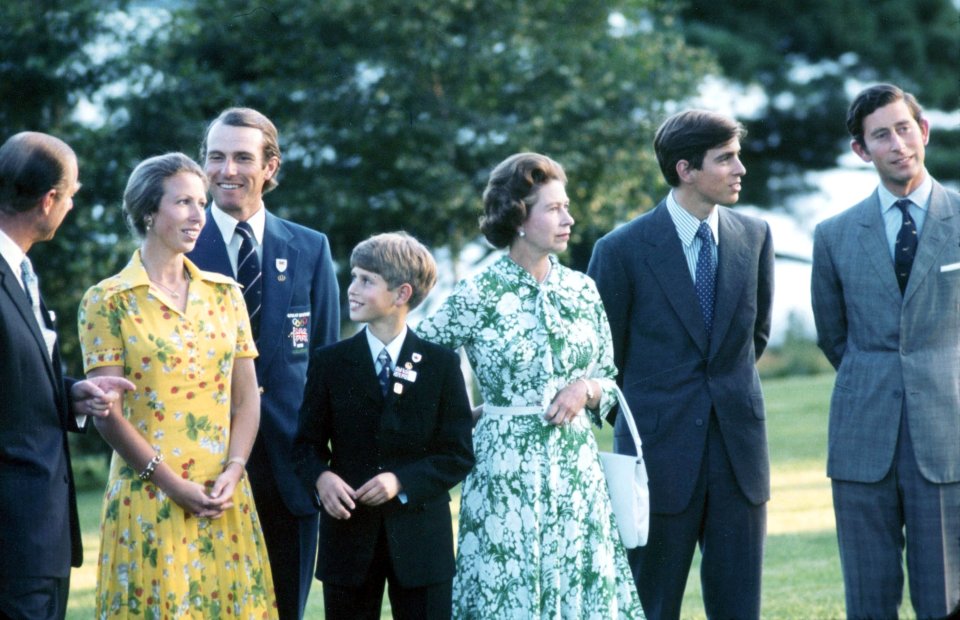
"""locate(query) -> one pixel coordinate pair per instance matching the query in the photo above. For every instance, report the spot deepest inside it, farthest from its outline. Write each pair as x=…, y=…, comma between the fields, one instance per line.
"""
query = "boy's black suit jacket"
x=423, y=435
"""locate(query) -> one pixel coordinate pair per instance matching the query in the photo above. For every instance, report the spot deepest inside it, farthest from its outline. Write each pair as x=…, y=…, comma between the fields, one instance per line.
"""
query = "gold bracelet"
x=151, y=467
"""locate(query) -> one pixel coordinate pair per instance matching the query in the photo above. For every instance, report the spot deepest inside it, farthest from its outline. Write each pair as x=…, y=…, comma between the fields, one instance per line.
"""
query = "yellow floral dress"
x=156, y=561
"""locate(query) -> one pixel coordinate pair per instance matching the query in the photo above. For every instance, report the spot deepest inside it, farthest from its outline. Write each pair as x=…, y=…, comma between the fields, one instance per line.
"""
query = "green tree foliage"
x=810, y=57
x=391, y=113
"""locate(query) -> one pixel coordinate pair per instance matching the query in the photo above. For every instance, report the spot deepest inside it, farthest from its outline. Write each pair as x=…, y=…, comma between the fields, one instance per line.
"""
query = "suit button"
x=897, y=393
x=699, y=422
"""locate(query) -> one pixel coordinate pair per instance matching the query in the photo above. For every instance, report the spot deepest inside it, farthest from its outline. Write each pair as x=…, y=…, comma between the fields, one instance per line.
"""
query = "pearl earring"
x=148, y=222
x=522, y=234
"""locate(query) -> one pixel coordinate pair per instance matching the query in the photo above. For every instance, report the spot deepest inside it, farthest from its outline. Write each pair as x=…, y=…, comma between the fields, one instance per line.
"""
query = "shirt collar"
x=393, y=348
x=227, y=224
x=920, y=196
x=687, y=225
x=13, y=254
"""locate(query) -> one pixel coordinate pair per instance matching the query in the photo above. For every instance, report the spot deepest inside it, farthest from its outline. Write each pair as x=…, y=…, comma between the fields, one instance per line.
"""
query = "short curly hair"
x=512, y=189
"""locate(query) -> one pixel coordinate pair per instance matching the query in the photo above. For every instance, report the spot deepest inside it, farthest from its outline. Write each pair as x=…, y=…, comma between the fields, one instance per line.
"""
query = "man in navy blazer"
x=886, y=300
x=300, y=311
x=385, y=433
x=39, y=528
x=687, y=288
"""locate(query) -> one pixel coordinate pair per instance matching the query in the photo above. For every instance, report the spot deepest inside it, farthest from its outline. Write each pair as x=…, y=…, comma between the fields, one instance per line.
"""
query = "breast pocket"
x=297, y=325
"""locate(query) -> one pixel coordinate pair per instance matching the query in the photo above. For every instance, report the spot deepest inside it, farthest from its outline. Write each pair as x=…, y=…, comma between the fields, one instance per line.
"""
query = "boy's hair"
x=689, y=135
x=873, y=98
x=398, y=258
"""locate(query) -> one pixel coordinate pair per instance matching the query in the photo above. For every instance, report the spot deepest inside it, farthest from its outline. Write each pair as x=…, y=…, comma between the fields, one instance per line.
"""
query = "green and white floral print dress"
x=537, y=537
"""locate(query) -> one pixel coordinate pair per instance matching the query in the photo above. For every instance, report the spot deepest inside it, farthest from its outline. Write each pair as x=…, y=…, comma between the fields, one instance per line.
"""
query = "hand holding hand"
x=336, y=495
x=95, y=396
x=379, y=490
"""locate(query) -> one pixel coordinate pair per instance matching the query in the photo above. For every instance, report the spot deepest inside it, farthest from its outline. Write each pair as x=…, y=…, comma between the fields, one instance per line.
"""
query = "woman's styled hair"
x=145, y=187
x=512, y=189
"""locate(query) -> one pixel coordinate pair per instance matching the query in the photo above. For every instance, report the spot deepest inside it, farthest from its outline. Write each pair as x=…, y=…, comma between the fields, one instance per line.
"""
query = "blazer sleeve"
x=325, y=299
x=826, y=293
x=761, y=331
x=616, y=291
x=311, y=450
x=448, y=457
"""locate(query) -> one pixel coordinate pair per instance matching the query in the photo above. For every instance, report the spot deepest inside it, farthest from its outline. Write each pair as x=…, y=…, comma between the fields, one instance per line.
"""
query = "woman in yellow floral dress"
x=179, y=530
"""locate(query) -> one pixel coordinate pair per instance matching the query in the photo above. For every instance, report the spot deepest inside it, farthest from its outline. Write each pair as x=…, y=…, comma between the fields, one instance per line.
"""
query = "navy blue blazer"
x=423, y=435
x=39, y=528
x=670, y=373
x=301, y=311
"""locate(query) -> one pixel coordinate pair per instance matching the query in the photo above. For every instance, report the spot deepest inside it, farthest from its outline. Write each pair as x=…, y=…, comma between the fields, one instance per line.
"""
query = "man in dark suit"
x=294, y=304
x=687, y=288
x=39, y=528
x=886, y=294
x=385, y=434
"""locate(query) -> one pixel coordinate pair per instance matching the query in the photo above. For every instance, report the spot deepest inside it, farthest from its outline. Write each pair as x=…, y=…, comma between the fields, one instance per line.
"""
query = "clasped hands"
x=339, y=498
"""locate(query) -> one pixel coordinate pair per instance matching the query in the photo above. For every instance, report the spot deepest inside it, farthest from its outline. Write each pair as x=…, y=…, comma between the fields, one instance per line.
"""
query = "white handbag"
x=627, y=482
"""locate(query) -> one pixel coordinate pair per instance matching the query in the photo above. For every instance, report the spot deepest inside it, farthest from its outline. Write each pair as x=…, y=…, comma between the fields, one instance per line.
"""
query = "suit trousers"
x=871, y=520
x=291, y=540
x=34, y=598
x=730, y=531
x=363, y=602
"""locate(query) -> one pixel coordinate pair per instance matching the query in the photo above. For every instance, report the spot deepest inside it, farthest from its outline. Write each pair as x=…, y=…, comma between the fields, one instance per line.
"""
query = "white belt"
x=505, y=411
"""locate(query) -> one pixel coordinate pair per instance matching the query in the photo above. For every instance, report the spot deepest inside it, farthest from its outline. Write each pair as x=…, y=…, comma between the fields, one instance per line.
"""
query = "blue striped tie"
x=250, y=276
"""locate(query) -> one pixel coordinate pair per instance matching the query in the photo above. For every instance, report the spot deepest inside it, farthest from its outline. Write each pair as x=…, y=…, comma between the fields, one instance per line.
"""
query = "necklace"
x=174, y=294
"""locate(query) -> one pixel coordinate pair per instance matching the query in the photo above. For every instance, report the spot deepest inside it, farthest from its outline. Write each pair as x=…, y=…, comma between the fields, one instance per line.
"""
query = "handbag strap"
x=631, y=424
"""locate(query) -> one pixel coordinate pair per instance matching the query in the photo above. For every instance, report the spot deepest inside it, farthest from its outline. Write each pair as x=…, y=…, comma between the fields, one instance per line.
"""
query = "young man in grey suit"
x=293, y=299
x=39, y=527
x=687, y=288
x=886, y=300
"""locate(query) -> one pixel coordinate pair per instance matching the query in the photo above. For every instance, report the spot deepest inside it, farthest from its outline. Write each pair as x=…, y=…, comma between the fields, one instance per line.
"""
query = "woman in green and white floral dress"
x=537, y=536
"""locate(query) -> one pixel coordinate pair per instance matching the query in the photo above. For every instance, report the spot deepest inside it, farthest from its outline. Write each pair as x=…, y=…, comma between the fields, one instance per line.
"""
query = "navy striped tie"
x=250, y=276
x=384, y=375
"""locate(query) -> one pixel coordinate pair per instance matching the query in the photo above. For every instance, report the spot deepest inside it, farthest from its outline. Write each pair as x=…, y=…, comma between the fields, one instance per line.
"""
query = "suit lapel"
x=873, y=242
x=210, y=253
x=732, y=269
x=358, y=356
x=19, y=299
x=669, y=267
x=938, y=229
x=279, y=266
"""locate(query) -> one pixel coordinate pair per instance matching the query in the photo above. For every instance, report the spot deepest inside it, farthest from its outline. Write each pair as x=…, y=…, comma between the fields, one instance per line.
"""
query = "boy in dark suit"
x=385, y=432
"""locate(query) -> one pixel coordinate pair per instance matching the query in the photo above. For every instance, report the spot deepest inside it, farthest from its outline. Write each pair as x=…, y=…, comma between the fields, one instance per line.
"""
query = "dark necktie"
x=706, y=278
x=250, y=276
x=905, y=248
x=32, y=285
x=384, y=375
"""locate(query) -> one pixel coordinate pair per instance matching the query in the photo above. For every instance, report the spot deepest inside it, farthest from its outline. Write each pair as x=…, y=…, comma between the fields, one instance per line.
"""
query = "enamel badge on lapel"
x=407, y=373
x=281, y=267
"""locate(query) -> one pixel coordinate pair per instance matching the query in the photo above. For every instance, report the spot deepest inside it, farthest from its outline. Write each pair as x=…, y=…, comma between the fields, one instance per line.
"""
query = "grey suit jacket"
x=890, y=350
x=670, y=373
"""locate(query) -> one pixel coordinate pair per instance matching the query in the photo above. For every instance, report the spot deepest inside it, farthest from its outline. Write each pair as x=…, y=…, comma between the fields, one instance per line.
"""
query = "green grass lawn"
x=801, y=576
